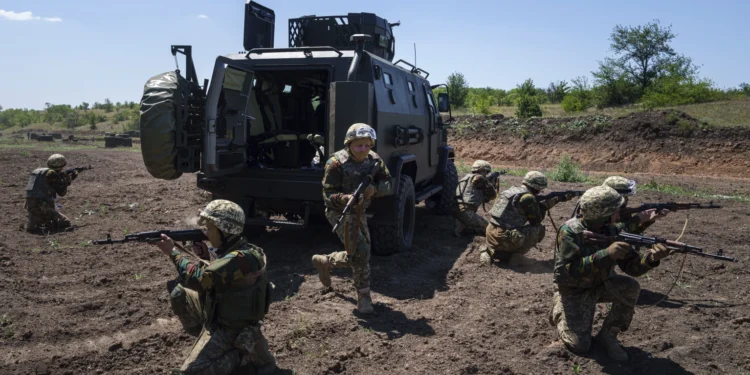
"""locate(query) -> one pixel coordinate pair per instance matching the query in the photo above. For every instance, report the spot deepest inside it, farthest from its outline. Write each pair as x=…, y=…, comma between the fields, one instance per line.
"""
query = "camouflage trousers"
x=466, y=215
x=502, y=243
x=359, y=260
x=573, y=312
x=43, y=216
x=220, y=350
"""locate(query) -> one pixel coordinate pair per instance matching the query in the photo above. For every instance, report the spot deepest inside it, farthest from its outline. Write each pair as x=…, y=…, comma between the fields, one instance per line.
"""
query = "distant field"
x=724, y=113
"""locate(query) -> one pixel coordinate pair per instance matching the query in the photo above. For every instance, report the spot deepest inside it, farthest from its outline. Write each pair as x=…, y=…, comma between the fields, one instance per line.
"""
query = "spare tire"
x=162, y=98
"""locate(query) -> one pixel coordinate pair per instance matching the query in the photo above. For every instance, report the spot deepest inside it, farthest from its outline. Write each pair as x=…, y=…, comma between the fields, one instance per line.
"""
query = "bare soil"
x=74, y=308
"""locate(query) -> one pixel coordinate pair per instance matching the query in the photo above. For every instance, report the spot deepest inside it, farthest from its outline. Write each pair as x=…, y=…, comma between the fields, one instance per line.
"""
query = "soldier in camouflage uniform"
x=636, y=223
x=344, y=171
x=584, y=275
x=223, y=296
x=507, y=234
x=44, y=185
x=472, y=191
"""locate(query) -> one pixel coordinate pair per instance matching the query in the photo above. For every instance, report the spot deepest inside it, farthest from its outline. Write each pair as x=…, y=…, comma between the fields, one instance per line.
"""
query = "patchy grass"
x=723, y=113
x=681, y=191
x=24, y=145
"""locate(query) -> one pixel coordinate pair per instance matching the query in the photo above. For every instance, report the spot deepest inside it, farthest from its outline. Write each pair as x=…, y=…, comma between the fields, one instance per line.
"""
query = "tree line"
x=644, y=69
x=73, y=117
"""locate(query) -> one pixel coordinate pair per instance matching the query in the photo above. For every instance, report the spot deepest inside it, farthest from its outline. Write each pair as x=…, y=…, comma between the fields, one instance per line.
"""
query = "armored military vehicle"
x=260, y=132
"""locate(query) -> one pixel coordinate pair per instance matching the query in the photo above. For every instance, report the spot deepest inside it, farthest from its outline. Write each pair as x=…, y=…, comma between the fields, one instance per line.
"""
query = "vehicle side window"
x=387, y=78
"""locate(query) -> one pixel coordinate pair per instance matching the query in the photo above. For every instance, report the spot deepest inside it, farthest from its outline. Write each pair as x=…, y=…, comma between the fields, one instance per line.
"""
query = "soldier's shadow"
x=392, y=323
x=640, y=362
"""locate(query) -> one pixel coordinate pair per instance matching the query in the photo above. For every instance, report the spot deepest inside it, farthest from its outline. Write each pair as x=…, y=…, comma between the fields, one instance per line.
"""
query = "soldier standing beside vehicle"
x=507, y=234
x=43, y=187
x=472, y=191
x=222, y=301
x=584, y=275
x=344, y=171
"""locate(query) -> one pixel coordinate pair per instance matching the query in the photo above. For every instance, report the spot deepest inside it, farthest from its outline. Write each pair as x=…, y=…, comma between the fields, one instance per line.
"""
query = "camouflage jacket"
x=224, y=271
x=47, y=183
x=343, y=174
x=475, y=189
x=580, y=265
x=514, y=207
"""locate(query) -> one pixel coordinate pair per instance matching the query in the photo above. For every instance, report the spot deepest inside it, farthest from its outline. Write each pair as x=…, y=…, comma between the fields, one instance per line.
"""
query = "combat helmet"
x=56, y=161
x=358, y=131
x=621, y=184
x=481, y=166
x=226, y=215
x=600, y=202
x=535, y=180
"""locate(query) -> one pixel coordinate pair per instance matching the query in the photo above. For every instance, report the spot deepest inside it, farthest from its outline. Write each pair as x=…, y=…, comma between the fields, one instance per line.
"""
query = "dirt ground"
x=70, y=307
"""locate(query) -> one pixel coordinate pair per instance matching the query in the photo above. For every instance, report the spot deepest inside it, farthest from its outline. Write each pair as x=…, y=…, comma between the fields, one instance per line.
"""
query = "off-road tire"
x=443, y=202
x=393, y=238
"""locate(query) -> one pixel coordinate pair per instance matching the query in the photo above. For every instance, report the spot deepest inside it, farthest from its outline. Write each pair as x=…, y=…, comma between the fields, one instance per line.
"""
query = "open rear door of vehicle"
x=259, y=26
x=227, y=120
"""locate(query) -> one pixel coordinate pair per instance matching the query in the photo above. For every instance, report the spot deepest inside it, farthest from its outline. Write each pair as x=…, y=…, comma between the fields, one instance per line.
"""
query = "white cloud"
x=203, y=16
x=25, y=16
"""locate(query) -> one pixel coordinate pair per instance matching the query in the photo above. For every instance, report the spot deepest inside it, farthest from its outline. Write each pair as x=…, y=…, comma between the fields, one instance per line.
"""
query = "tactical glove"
x=658, y=252
x=618, y=250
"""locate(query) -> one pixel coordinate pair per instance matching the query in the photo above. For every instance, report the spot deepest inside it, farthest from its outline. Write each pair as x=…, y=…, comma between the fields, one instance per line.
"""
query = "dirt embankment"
x=665, y=142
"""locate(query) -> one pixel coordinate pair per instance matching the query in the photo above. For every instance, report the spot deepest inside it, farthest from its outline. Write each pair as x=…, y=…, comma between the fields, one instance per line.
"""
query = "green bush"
x=573, y=103
x=528, y=101
x=567, y=171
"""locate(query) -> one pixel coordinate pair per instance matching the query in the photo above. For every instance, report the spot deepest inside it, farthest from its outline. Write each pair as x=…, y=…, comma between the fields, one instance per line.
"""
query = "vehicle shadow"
x=416, y=273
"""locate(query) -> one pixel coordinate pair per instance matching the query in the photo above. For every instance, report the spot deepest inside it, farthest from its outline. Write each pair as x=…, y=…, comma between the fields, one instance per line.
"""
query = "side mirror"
x=443, y=103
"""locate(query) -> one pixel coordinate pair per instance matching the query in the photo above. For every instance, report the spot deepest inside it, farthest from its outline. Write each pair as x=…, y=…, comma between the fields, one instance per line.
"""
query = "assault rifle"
x=355, y=197
x=671, y=206
x=155, y=236
x=638, y=240
x=78, y=169
x=575, y=193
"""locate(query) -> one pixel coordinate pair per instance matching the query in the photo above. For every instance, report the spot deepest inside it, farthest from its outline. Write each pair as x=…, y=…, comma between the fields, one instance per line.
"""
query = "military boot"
x=608, y=337
x=485, y=259
x=364, y=302
x=323, y=266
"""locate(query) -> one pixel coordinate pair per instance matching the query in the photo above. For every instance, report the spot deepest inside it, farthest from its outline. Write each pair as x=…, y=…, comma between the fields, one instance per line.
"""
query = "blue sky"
x=66, y=52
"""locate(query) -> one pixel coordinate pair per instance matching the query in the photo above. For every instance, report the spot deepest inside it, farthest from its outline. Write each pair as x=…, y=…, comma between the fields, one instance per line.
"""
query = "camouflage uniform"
x=507, y=232
x=584, y=275
x=341, y=178
x=472, y=191
x=43, y=187
x=223, y=303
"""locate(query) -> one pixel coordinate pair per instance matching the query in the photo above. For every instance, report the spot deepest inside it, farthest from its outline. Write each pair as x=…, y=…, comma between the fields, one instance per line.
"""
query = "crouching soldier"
x=508, y=234
x=473, y=190
x=584, y=275
x=222, y=301
x=44, y=185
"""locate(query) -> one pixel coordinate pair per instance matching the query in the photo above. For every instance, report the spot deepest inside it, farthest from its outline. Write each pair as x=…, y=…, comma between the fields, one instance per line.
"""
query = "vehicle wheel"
x=393, y=238
x=444, y=202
